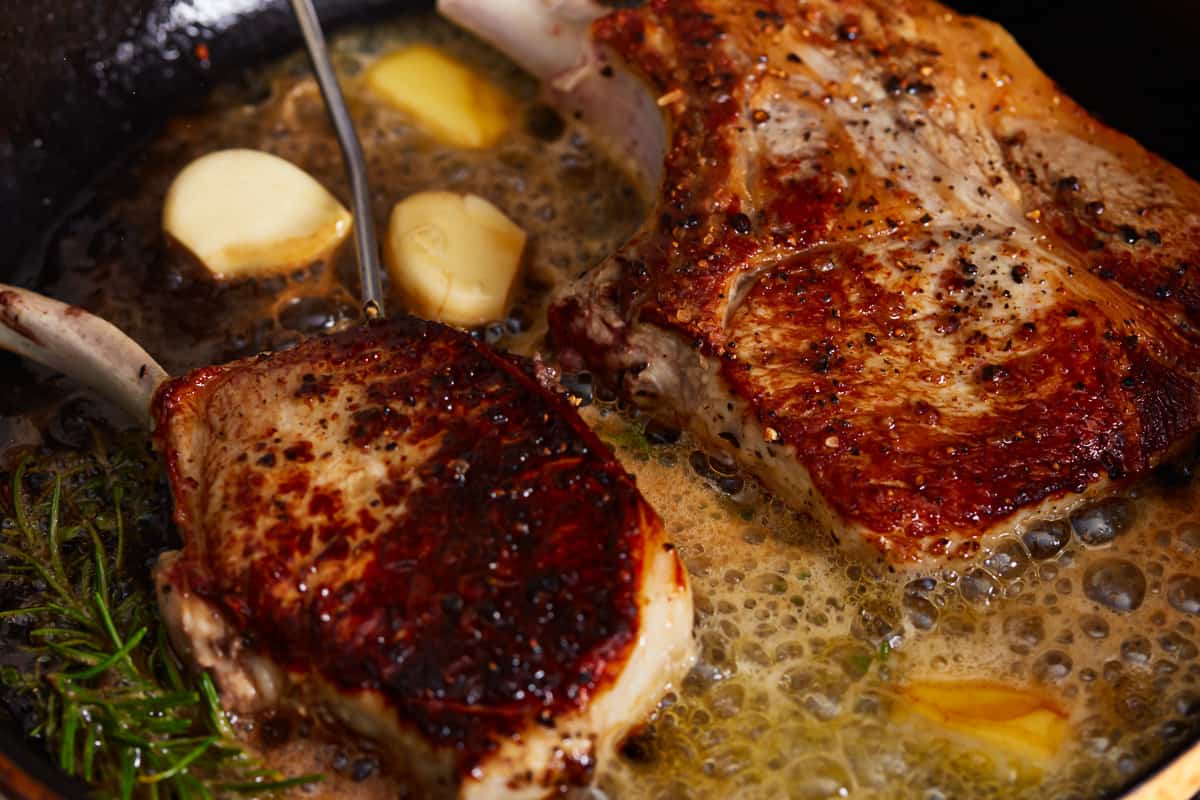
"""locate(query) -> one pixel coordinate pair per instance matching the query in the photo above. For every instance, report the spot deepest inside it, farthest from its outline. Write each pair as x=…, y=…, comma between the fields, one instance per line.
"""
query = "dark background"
x=1136, y=65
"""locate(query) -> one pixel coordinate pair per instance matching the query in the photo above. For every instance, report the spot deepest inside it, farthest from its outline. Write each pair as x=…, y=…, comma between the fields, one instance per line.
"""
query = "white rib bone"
x=68, y=339
x=552, y=40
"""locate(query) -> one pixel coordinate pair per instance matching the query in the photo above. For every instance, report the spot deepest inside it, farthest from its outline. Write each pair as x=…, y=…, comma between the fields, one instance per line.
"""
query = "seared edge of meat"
x=673, y=382
x=438, y=484
x=945, y=293
x=564, y=752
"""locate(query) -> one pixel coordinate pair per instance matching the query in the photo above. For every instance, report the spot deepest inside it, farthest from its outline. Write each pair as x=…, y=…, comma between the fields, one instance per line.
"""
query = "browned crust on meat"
x=822, y=281
x=504, y=594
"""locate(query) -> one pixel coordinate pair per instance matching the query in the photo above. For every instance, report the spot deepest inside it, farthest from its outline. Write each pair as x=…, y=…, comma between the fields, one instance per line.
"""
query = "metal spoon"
x=94, y=352
x=366, y=246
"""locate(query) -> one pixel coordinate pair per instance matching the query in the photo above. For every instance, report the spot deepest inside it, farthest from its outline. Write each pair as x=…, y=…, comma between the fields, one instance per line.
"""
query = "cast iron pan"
x=84, y=82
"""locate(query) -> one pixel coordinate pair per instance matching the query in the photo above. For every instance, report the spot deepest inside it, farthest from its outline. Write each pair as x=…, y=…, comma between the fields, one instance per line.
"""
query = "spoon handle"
x=365, y=242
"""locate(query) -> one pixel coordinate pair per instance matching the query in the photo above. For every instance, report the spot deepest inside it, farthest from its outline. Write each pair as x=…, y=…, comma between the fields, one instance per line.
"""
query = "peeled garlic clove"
x=453, y=258
x=446, y=98
x=248, y=214
x=1022, y=722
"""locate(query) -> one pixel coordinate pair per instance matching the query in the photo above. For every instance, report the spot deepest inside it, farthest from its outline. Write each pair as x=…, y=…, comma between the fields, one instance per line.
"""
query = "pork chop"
x=891, y=267
x=400, y=532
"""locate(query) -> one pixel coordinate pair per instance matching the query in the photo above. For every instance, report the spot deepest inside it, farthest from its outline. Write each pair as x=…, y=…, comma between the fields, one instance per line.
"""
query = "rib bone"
x=68, y=339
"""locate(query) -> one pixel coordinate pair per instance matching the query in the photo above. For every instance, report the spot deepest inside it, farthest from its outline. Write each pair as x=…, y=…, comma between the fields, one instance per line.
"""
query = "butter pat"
x=444, y=97
x=248, y=214
x=453, y=258
x=1019, y=721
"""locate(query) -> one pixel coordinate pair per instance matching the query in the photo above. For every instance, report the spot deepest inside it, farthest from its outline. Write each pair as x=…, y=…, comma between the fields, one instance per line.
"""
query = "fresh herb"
x=78, y=532
x=860, y=663
x=632, y=438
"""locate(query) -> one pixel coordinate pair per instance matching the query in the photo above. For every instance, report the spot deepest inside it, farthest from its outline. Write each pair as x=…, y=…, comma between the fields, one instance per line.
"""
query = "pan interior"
x=806, y=659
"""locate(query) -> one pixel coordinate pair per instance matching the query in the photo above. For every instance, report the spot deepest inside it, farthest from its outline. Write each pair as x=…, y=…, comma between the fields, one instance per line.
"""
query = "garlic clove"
x=453, y=258
x=443, y=96
x=1022, y=722
x=248, y=214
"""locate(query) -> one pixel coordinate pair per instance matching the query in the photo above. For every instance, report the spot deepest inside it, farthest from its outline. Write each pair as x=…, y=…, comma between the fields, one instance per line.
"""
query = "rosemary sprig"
x=77, y=533
x=631, y=437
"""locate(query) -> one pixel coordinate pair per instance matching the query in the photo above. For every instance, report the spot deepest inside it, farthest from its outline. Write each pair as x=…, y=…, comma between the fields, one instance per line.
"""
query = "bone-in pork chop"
x=398, y=529
x=891, y=268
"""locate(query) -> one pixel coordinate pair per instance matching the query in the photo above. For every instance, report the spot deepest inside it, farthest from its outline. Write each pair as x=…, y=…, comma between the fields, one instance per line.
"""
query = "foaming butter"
x=1060, y=663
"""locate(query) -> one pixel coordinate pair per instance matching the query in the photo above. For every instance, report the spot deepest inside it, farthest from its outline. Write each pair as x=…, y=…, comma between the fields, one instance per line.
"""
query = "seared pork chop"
x=400, y=531
x=891, y=268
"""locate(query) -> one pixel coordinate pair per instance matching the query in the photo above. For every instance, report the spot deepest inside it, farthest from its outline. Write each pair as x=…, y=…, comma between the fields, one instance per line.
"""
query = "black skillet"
x=84, y=82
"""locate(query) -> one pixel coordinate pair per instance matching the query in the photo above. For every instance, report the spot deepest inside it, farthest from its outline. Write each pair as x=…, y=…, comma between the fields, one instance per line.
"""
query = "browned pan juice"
x=804, y=655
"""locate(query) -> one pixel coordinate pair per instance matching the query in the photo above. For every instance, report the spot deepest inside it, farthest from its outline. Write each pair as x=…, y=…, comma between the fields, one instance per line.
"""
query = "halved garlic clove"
x=247, y=214
x=445, y=97
x=1022, y=722
x=453, y=258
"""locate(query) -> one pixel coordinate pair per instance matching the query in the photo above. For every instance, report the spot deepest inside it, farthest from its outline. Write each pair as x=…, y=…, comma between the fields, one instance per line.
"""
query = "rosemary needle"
x=112, y=704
